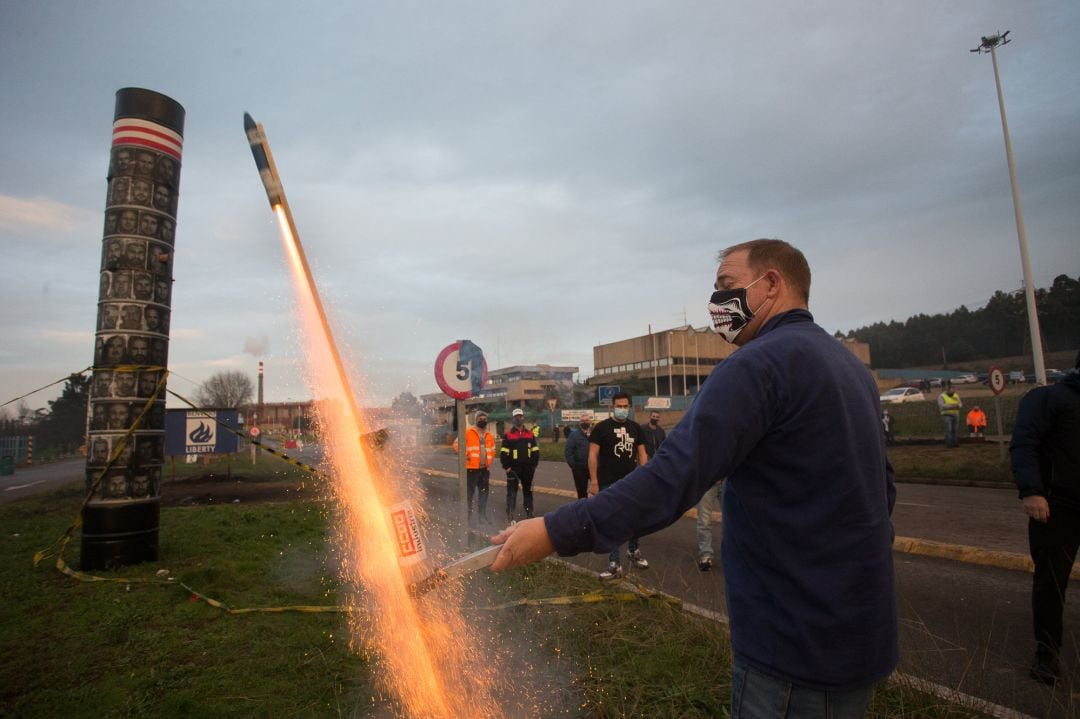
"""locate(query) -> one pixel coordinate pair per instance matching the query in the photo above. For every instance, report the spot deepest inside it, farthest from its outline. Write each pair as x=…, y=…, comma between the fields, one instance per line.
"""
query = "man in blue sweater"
x=791, y=420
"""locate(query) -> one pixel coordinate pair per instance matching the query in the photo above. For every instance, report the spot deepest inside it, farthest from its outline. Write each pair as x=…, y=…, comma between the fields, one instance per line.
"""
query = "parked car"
x=897, y=395
x=1054, y=375
x=965, y=379
x=1017, y=377
x=936, y=382
x=983, y=377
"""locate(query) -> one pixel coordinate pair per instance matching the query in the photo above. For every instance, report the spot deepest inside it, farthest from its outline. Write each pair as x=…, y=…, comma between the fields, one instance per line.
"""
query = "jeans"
x=709, y=503
x=950, y=421
x=755, y=695
x=632, y=545
x=1053, y=549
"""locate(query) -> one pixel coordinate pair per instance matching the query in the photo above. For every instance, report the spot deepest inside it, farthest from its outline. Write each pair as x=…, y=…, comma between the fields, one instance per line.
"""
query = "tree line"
x=1000, y=329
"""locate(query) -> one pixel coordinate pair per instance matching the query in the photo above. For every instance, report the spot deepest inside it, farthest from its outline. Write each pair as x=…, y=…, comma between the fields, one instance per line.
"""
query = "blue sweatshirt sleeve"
x=727, y=419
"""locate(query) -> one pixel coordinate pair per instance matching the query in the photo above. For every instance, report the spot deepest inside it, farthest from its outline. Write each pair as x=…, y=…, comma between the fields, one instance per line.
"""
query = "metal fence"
x=15, y=446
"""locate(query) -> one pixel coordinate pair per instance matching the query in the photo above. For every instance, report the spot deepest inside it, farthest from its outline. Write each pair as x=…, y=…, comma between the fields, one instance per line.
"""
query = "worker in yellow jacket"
x=479, y=454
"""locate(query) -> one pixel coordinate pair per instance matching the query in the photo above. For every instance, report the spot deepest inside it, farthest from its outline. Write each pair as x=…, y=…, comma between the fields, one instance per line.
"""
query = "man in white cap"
x=519, y=456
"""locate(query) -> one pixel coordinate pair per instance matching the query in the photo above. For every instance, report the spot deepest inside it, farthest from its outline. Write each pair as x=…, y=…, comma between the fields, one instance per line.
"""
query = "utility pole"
x=655, y=376
x=990, y=44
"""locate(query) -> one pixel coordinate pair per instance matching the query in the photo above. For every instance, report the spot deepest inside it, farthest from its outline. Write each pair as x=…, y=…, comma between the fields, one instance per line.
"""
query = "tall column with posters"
x=126, y=453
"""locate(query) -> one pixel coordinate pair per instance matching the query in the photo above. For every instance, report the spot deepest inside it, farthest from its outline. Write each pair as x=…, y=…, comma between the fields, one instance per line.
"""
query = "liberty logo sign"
x=200, y=435
x=189, y=433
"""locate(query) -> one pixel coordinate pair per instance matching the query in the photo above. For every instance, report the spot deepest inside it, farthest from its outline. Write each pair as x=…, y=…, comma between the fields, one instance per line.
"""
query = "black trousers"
x=581, y=480
x=1053, y=549
x=524, y=475
x=477, y=479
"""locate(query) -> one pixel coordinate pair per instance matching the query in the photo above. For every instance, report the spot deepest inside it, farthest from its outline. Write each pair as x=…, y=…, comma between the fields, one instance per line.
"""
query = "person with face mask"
x=479, y=454
x=791, y=420
x=519, y=456
x=653, y=434
x=576, y=454
x=616, y=448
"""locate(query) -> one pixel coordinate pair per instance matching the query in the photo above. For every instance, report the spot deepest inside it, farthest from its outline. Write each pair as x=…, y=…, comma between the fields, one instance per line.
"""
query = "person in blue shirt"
x=791, y=420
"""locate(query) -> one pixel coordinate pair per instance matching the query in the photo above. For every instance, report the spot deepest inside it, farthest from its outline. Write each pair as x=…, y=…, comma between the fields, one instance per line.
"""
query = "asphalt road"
x=33, y=480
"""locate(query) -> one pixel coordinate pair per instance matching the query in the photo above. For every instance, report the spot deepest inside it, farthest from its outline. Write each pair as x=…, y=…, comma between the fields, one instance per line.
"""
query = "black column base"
x=117, y=535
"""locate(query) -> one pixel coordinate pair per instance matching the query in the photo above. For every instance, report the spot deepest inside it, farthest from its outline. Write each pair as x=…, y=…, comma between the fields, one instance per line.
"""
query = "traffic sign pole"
x=463, y=473
x=996, y=379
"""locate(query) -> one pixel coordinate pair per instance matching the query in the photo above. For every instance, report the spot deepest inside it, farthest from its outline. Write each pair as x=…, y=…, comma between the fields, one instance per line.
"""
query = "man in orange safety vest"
x=479, y=454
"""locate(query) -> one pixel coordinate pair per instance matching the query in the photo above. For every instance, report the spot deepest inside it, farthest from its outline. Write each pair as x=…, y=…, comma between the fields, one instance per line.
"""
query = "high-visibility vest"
x=472, y=448
x=952, y=405
x=976, y=418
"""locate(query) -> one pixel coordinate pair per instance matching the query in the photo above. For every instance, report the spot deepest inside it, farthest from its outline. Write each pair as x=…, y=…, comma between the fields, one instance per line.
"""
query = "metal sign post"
x=463, y=472
x=996, y=379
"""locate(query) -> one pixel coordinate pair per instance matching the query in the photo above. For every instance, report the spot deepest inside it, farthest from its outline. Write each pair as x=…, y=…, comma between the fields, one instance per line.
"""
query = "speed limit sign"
x=996, y=378
x=460, y=370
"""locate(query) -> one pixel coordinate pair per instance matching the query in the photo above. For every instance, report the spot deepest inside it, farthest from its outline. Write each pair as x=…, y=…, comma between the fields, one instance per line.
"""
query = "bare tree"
x=226, y=390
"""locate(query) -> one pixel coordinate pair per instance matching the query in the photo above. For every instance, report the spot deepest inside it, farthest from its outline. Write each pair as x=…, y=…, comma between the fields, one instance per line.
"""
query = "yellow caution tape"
x=60, y=544
x=637, y=592
x=80, y=373
x=77, y=522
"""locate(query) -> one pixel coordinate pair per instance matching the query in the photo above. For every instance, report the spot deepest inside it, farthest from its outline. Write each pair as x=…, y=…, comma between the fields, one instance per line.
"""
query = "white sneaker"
x=613, y=571
x=639, y=561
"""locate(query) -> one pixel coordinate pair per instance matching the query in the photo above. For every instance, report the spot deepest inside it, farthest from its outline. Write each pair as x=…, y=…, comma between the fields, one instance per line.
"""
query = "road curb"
x=1014, y=561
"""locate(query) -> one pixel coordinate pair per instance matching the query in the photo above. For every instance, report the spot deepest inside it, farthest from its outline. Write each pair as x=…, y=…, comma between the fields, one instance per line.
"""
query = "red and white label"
x=129, y=131
x=406, y=530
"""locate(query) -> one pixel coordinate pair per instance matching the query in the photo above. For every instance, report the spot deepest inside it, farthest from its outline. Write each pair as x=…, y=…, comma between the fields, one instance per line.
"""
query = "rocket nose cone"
x=249, y=124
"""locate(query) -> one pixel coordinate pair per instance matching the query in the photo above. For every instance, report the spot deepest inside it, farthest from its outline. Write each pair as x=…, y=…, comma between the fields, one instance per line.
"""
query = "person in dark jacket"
x=1045, y=455
x=519, y=456
x=653, y=433
x=807, y=535
x=576, y=454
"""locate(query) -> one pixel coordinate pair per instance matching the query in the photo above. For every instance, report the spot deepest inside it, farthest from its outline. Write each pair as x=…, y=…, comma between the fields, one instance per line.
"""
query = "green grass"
x=651, y=659
x=76, y=649
x=969, y=462
x=129, y=650
x=267, y=468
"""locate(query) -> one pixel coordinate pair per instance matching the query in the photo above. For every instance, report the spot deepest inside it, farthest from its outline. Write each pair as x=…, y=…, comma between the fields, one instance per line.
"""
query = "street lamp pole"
x=990, y=44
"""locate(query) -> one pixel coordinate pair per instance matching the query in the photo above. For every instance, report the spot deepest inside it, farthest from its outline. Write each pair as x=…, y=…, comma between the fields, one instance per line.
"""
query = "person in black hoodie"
x=1045, y=454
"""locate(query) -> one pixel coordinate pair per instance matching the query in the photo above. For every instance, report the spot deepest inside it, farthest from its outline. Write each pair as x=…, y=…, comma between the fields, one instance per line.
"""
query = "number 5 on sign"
x=460, y=370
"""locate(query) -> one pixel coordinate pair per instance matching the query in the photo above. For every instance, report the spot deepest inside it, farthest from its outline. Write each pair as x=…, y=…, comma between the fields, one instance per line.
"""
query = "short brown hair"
x=773, y=254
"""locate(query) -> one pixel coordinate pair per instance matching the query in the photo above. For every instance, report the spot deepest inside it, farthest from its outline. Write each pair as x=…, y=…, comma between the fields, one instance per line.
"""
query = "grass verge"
x=128, y=650
x=968, y=462
x=652, y=659
x=132, y=650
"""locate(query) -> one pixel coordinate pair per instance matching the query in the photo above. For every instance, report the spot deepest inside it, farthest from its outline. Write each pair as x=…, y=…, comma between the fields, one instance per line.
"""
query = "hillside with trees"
x=1000, y=329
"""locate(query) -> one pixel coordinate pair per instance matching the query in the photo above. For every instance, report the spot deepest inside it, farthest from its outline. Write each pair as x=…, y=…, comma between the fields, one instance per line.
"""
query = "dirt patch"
x=214, y=489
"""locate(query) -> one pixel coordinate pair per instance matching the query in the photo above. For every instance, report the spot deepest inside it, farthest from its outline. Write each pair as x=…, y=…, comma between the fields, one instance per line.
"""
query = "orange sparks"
x=426, y=657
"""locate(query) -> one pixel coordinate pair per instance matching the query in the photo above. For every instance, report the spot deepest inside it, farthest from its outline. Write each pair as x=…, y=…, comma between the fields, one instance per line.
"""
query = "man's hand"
x=594, y=487
x=523, y=543
x=1036, y=507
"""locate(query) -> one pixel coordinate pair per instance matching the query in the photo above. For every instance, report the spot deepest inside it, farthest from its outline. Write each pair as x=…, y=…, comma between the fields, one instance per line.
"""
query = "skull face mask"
x=730, y=312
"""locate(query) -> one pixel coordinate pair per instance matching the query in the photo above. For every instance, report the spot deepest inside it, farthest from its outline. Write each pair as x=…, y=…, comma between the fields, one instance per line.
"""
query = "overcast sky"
x=538, y=177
